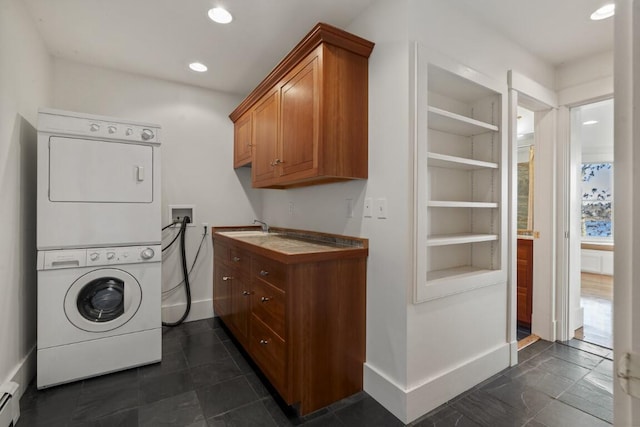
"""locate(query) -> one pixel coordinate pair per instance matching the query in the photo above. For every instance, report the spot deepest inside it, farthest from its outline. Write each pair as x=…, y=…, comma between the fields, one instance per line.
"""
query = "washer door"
x=102, y=300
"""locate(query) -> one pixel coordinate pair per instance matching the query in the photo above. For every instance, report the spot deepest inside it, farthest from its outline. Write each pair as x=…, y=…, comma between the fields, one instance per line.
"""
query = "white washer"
x=98, y=181
x=98, y=311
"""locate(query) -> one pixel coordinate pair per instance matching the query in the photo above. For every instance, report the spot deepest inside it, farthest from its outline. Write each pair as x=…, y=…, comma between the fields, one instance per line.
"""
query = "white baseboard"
x=513, y=353
x=24, y=372
x=578, y=319
x=202, y=309
x=410, y=404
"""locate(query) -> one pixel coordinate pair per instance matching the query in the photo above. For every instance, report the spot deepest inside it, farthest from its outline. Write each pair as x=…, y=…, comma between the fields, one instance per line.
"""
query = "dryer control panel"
x=91, y=257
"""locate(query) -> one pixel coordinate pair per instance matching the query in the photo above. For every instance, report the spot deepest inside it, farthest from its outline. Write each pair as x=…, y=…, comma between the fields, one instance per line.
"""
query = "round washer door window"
x=103, y=300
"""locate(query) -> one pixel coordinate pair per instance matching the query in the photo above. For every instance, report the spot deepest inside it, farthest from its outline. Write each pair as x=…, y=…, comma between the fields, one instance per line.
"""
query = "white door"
x=626, y=323
x=90, y=171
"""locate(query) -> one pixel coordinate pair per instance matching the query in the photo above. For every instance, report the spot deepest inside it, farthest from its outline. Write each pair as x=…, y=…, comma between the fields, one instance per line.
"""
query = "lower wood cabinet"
x=525, y=281
x=302, y=322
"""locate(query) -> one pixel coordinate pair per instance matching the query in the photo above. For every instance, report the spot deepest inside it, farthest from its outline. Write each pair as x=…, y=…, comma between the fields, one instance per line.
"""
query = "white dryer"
x=98, y=181
x=98, y=311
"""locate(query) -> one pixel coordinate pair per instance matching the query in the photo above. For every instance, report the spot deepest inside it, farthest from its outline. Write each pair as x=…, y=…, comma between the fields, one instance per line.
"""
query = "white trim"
x=383, y=389
x=202, y=309
x=24, y=372
x=532, y=89
x=410, y=404
x=593, y=91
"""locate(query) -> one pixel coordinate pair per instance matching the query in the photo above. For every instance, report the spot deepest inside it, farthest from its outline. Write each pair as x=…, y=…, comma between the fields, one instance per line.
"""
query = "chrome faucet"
x=265, y=226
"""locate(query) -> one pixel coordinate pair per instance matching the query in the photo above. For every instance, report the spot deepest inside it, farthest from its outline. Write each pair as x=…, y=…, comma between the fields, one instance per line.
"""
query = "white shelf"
x=451, y=204
x=449, y=122
x=459, y=239
x=454, y=273
x=454, y=162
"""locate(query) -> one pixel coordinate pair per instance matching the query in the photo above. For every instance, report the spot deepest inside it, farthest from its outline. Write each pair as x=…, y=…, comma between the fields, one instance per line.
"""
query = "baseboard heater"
x=9, y=406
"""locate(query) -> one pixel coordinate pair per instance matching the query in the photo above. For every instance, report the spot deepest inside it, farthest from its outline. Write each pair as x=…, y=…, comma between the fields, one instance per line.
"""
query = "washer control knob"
x=94, y=256
x=147, y=253
x=112, y=129
x=147, y=134
x=111, y=255
x=94, y=127
x=129, y=132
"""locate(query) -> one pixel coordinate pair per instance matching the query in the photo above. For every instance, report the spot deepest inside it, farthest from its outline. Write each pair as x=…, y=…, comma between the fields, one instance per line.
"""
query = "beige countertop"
x=292, y=243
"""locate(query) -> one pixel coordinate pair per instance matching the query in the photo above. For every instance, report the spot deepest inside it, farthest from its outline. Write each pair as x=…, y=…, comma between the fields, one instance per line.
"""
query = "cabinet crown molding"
x=321, y=33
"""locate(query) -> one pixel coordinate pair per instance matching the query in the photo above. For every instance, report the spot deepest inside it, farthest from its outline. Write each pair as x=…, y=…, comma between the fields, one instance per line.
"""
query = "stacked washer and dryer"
x=98, y=241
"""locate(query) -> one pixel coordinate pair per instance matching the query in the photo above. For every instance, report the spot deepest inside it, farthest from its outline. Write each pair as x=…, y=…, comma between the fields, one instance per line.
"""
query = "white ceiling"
x=159, y=38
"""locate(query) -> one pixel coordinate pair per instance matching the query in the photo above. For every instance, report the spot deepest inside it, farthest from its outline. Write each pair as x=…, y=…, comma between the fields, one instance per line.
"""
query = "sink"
x=246, y=233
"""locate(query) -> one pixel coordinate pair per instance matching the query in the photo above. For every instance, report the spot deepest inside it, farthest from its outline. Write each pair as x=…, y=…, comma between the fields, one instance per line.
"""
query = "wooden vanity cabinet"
x=232, y=289
x=309, y=115
x=306, y=323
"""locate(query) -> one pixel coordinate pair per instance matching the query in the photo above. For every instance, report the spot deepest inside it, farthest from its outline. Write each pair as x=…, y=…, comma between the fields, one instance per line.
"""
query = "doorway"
x=592, y=154
x=525, y=187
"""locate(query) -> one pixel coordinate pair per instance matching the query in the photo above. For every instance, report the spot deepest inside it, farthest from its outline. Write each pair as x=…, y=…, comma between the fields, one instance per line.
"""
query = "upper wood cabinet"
x=242, y=141
x=308, y=117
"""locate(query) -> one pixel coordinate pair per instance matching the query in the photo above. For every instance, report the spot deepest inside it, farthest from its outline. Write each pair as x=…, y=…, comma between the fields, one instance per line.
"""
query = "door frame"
x=626, y=319
x=532, y=95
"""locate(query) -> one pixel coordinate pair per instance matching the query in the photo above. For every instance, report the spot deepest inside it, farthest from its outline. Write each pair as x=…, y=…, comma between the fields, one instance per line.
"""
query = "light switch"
x=366, y=210
x=381, y=208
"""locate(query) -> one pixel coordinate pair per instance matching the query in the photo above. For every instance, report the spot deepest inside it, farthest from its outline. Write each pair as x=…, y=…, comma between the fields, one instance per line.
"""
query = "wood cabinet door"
x=222, y=290
x=240, y=305
x=265, y=138
x=300, y=119
x=242, y=141
x=525, y=280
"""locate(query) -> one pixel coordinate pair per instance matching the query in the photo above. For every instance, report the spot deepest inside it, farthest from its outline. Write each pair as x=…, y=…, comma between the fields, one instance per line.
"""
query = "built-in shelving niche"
x=461, y=213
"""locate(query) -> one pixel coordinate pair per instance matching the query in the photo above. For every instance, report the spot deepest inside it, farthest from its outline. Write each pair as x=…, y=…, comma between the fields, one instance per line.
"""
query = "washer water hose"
x=185, y=272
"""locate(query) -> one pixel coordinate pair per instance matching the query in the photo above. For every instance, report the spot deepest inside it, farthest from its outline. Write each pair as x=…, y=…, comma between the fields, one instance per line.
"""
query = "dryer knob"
x=147, y=253
x=111, y=255
x=129, y=132
x=147, y=134
x=112, y=129
x=94, y=127
x=94, y=256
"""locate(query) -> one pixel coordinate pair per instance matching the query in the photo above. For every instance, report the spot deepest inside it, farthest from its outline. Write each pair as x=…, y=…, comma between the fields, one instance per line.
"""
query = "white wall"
x=411, y=348
x=25, y=68
x=197, y=151
x=585, y=79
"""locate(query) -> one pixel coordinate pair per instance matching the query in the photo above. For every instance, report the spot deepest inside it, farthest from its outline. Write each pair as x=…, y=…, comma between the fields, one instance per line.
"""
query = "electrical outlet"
x=349, y=208
x=205, y=225
x=291, y=208
x=381, y=208
x=366, y=211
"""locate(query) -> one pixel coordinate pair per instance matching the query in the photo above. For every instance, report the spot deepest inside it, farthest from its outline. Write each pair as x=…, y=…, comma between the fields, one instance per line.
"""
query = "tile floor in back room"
x=204, y=380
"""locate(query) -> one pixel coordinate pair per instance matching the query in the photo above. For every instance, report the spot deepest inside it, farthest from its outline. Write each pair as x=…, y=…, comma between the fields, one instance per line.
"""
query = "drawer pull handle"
x=245, y=293
x=264, y=273
x=236, y=259
x=225, y=278
x=264, y=342
x=265, y=299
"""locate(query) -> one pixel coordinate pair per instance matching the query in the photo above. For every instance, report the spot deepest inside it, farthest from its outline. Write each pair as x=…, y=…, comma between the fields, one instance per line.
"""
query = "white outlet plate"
x=366, y=210
x=349, y=208
x=381, y=208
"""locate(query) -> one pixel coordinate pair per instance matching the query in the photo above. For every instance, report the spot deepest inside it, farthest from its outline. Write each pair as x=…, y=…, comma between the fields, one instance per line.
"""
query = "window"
x=597, y=199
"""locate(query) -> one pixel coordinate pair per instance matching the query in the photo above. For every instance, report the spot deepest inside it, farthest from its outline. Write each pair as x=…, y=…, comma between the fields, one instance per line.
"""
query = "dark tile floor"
x=205, y=381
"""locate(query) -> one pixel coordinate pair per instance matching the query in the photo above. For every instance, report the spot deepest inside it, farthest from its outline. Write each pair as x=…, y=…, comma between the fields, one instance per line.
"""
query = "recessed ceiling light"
x=197, y=66
x=590, y=122
x=220, y=15
x=604, y=12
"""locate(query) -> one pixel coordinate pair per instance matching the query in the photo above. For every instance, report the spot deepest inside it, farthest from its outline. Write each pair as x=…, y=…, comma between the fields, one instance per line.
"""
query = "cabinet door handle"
x=264, y=273
x=264, y=342
x=225, y=278
x=236, y=259
x=265, y=299
x=245, y=293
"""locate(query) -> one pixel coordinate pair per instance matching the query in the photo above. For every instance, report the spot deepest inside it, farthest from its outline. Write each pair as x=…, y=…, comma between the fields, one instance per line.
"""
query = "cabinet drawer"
x=270, y=271
x=269, y=351
x=269, y=305
x=232, y=256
